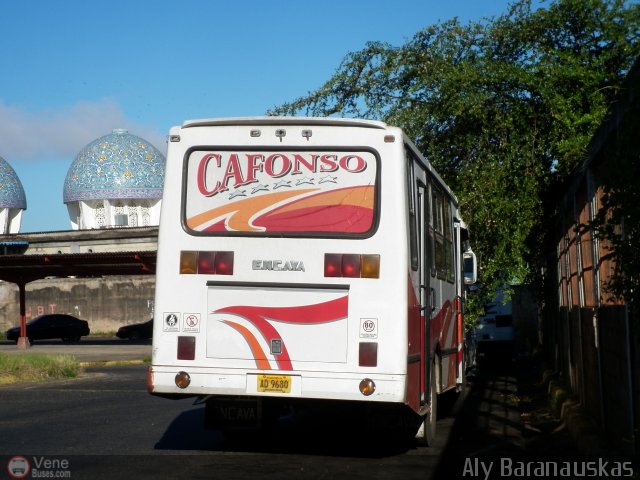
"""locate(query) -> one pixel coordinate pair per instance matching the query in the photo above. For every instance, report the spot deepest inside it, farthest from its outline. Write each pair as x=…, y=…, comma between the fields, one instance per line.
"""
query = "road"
x=105, y=425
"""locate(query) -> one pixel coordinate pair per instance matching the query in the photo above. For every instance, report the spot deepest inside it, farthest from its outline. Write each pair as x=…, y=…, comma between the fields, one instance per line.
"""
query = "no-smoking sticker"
x=191, y=322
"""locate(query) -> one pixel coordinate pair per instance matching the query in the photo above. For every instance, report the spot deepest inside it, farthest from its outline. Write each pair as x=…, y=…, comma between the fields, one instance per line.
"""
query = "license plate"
x=274, y=383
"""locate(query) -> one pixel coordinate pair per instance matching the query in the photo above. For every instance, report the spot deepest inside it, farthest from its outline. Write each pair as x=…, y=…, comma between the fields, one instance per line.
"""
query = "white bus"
x=306, y=259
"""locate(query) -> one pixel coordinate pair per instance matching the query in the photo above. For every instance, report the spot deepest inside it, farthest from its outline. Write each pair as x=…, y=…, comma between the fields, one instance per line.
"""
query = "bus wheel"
x=427, y=432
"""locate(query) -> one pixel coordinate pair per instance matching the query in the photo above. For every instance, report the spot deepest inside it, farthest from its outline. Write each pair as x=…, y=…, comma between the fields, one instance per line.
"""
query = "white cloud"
x=27, y=135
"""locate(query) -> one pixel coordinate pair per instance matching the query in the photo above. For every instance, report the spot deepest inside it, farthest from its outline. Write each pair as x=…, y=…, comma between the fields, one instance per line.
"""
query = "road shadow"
x=505, y=419
x=337, y=432
x=504, y=416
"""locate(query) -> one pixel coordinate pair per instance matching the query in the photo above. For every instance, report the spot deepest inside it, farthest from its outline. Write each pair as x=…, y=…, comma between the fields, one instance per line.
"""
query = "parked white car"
x=494, y=331
x=495, y=328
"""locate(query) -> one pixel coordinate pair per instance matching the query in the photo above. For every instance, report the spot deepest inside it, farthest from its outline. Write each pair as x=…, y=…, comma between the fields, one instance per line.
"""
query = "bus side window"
x=448, y=242
x=439, y=254
x=432, y=234
x=413, y=230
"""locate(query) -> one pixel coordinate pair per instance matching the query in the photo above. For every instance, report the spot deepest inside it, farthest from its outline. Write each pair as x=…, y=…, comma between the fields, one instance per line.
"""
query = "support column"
x=23, y=341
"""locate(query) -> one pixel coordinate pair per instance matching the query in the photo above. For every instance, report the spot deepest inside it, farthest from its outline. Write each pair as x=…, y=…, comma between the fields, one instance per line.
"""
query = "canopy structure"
x=22, y=269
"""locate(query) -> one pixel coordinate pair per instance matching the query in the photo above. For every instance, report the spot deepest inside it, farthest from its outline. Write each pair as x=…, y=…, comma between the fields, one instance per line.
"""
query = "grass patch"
x=111, y=333
x=37, y=367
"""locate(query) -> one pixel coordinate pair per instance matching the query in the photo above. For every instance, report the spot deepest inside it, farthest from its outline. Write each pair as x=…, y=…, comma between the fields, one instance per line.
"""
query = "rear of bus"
x=282, y=262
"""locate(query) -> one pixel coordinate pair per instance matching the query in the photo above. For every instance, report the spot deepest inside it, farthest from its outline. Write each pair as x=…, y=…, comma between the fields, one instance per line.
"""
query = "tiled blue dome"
x=11, y=191
x=118, y=165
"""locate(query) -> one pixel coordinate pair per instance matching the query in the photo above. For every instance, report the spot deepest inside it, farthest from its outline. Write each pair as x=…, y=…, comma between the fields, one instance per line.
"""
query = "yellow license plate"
x=274, y=383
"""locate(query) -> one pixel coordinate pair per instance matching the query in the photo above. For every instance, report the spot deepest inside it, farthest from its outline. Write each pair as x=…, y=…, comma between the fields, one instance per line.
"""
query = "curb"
x=112, y=363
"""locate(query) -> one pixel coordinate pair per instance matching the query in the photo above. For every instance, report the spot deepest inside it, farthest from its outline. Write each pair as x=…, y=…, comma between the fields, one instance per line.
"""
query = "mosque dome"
x=116, y=166
x=11, y=191
x=115, y=181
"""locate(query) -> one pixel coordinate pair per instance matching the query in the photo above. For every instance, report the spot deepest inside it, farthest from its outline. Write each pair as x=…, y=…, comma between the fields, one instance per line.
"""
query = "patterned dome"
x=115, y=166
x=11, y=191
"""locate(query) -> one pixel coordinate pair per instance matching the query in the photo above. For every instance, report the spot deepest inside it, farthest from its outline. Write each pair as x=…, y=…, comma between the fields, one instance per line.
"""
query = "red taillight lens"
x=212, y=263
x=368, y=354
x=332, y=265
x=351, y=265
x=186, y=348
x=206, y=262
x=224, y=263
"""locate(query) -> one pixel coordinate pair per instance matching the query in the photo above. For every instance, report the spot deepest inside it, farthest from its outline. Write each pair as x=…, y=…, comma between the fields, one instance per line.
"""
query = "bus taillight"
x=211, y=263
x=183, y=380
x=224, y=263
x=188, y=262
x=368, y=354
x=351, y=265
x=206, y=262
x=367, y=387
x=332, y=265
x=370, y=266
x=186, y=348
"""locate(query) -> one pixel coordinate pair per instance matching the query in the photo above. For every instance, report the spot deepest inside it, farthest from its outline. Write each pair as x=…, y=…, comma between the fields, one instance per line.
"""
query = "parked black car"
x=52, y=325
x=136, y=331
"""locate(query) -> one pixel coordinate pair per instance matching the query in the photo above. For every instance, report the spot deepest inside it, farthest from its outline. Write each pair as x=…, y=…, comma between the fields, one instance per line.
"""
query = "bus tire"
x=427, y=433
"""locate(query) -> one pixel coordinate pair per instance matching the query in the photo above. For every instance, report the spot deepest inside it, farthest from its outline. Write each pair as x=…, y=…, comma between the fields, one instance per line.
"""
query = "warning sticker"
x=171, y=322
x=191, y=322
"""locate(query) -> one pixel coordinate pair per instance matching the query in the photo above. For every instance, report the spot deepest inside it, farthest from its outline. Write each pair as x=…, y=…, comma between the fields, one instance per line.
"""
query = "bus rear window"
x=280, y=192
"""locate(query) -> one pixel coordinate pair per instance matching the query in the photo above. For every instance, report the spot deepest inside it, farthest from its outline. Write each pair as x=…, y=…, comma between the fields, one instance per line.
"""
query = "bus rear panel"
x=285, y=265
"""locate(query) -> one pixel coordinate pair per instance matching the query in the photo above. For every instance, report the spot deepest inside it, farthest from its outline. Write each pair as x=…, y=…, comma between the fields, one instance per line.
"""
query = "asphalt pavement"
x=504, y=419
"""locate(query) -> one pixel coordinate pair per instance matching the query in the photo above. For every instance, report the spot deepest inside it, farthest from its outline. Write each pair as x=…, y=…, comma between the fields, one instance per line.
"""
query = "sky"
x=74, y=70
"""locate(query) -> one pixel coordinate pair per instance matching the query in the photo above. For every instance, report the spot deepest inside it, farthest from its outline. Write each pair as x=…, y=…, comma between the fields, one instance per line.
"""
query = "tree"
x=502, y=108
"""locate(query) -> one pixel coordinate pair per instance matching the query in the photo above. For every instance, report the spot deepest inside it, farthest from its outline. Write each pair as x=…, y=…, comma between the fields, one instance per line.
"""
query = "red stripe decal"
x=325, y=312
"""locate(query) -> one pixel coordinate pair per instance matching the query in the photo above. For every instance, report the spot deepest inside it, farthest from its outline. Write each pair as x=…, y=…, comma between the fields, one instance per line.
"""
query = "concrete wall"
x=106, y=303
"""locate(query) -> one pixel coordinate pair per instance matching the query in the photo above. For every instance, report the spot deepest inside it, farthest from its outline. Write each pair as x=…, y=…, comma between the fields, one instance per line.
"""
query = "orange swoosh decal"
x=239, y=213
x=357, y=196
x=258, y=354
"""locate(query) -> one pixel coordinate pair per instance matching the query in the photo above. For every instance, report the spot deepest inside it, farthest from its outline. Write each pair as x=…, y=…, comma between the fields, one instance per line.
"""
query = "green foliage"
x=502, y=108
x=33, y=367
